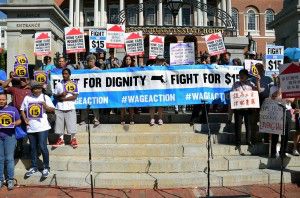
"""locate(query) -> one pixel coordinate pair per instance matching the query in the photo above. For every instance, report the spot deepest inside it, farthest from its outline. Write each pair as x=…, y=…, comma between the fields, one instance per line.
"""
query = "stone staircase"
x=173, y=155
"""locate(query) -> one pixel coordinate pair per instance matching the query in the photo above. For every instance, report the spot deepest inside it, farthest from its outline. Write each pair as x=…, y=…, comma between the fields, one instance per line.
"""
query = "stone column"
x=81, y=17
x=223, y=7
x=204, y=15
x=71, y=11
x=195, y=14
x=76, y=20
x=200, y=16
x=218, y=21
x=121, y=4
x=228, y=5
x=179, y=17
x=141, y=15
x=160, y=14
x=102, y=13
x=96, y=13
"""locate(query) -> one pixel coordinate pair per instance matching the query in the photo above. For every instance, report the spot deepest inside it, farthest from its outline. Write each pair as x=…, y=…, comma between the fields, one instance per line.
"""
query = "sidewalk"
x=259, y=191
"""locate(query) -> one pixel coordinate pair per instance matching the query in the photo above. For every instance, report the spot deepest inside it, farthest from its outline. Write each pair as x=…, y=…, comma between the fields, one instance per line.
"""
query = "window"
x=150, y=16
x=113, y=14
x=186, y=16
x=132, y=15
x=168, y=19
x=269, y=18
x=235, y=17
x=88, y=17
x=251, y=20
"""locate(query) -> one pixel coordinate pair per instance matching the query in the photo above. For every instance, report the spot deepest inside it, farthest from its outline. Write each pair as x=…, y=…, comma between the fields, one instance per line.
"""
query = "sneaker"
x=160, y=122
x=82, y=123
x=59, y=142
x=239, y=149
x=123, y=123
x=295, y=153
x=10, y=184
x=96, y=123
x=30, y=172
x=45, y=173
x=152, y=122
x=74, y=143
x=131, y=123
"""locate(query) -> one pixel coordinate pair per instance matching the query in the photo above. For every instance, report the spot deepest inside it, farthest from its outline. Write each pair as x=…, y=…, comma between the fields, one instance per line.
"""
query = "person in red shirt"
x=19, y=90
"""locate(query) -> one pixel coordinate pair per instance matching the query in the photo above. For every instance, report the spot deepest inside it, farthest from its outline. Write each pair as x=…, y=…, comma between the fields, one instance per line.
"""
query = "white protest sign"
x=250, y=66
x=74, y=38
x=244, y=99
x=42, y=43
x=97, y=39
x=182, y=53
x=115, y=36
x=156, y=46
x=274, y=58
x=134, y=43
x=271, y=117
x=215, y=44
x=290, y=80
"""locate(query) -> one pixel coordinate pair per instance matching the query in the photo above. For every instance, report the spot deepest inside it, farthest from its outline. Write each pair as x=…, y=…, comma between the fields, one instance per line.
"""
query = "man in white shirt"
x=65, y=110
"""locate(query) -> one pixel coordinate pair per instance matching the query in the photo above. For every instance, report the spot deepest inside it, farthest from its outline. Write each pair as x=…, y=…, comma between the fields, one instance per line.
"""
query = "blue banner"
x=152, y=86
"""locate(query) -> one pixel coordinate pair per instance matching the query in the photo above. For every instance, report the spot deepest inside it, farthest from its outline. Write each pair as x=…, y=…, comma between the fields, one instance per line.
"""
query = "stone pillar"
x=141, y=15
x=195, y=14
x=96, y=13
x=200, y=16
x=218, y=21
x=103, y=13
x=223, y=7
x=71, y=11
x=204, y=15
x=179, y=17
x=160, y=14
x=121, y=4
x=229, y=8
x=76, y=20
x=81, y=17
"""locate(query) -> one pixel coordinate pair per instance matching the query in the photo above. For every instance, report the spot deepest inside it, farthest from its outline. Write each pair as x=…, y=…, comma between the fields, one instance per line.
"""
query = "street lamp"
x=174, y=6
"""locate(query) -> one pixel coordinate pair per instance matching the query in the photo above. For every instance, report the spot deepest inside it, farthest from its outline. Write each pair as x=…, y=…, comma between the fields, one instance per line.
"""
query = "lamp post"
x=174, y=6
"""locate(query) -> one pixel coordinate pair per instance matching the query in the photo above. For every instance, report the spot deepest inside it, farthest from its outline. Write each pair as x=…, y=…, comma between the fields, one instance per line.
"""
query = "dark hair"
x=204, y=57
x=66, y=69
x=124, y=61
x=47, y=58
x=2, y=93
x=213, y=59
x=244, y=72
x=237, y=61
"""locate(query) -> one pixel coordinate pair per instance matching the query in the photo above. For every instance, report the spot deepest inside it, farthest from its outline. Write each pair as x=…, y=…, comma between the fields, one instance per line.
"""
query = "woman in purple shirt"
x=7, y=143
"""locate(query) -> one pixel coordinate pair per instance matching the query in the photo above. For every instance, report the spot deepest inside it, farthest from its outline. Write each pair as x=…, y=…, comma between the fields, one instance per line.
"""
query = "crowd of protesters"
x=62, y=104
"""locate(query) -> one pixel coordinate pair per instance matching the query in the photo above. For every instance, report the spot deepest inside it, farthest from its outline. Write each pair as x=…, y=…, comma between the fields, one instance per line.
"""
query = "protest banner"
x=7, y=119
x=156, y=46
x=42, y=43
x=21, y=71
x=35, y=110
x=250, y=66
x=271, y=117
x=71, y=87
x=41, y=76
x=274, y=58
x=74, y=38
x=290, y=80
x=244, y=99
x=215, y=44
x=182, y=53
x=152, y=86
x=115, y=37
x=134, y=43
x=97, y=40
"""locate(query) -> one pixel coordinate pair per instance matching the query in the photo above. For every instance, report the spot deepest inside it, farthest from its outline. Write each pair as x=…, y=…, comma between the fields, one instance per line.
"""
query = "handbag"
x=50, y=116
x=20, y=133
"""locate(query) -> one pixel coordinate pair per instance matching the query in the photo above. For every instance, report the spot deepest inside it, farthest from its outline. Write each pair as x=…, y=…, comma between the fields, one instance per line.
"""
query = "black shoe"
x=239, y=150
x=176, y=112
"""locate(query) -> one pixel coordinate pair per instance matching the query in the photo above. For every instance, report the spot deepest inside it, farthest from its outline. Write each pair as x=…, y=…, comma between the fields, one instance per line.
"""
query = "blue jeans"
x=7, y=150
x=39, y=139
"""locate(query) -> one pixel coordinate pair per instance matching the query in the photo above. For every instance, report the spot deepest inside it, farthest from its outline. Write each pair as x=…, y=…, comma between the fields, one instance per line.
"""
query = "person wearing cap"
x=244, y=84
x=37, y=129
x=159, y=61
x=8, y=144
x=275, y=94
x=18, y=92
x=65, y=111
x=91, y=60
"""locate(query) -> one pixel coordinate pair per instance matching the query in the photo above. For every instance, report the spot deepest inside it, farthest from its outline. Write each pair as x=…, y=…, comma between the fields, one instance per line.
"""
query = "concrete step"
x=156, y=180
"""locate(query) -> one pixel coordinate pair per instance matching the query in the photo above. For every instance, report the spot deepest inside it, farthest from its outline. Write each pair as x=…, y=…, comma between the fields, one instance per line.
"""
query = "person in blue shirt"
x=47, y=64
x=3, y=78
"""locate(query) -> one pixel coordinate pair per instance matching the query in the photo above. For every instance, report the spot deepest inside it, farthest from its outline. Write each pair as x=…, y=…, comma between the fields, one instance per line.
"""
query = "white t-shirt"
x=65, y=105
x=37, y=125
